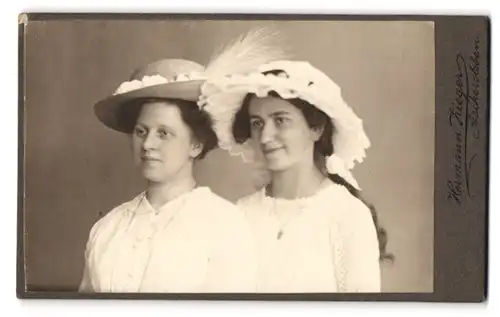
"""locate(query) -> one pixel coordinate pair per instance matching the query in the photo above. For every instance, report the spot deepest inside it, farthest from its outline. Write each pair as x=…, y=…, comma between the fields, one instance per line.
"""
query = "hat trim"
x=107, y=109
x=155, y=80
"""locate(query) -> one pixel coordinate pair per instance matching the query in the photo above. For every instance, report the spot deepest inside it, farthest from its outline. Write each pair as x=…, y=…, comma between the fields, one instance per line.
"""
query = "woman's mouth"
x=150, y=159
x=268, y=151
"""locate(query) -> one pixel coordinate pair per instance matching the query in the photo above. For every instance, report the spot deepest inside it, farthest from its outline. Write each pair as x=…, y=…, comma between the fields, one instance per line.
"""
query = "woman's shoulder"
x=125, y=206
x=207, y=199
x=341, y=200
x=218, y=211
x=204, y=195
x=346, y=207
x=116, y=213
x=252, y=199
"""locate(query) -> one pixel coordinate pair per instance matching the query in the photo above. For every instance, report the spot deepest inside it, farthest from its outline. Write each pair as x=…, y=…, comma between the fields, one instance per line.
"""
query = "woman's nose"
x=268, y=133
x=149, y=142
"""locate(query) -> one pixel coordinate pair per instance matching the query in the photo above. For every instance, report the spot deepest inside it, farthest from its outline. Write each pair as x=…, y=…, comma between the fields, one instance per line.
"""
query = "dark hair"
x=323, y=147
x=199, y=121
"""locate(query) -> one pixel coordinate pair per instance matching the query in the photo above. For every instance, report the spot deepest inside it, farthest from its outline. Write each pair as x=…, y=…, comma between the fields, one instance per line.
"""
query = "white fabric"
x=329, y=242
x=147, y=81
x=197, y=242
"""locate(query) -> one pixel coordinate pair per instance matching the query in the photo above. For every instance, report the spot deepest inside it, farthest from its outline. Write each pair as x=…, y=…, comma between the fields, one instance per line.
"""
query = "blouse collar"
x=323, y=191
x=141, y=204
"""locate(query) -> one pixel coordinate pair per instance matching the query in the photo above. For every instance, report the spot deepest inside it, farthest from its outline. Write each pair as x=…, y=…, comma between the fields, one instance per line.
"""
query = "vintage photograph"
x=229, y=156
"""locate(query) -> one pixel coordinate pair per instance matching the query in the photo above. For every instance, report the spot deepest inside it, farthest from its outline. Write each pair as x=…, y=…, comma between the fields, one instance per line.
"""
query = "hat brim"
x=108, y=110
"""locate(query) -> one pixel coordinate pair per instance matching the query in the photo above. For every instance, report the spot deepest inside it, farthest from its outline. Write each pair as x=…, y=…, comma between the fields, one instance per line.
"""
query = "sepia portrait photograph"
x=228, y=156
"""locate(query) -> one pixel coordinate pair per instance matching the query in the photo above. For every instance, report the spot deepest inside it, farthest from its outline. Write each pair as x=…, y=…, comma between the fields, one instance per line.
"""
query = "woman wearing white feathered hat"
x=175, y=236
x=314, y=231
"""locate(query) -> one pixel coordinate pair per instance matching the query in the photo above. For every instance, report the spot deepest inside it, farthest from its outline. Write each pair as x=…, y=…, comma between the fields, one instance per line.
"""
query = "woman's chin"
x=277, y=165
x=152, y=177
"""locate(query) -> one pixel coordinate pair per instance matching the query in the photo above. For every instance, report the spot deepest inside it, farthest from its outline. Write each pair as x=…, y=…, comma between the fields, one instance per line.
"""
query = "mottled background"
x=77, y=168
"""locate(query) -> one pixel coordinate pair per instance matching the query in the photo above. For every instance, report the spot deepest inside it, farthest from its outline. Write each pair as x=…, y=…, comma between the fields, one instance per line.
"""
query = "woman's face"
x=162, y=142
x=281, y=131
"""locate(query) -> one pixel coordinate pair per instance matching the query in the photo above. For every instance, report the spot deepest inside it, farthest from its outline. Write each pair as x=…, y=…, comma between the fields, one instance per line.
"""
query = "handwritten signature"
x=463, y=116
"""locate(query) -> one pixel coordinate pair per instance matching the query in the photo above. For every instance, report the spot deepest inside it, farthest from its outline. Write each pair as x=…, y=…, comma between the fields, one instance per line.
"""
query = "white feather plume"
x=246, y=53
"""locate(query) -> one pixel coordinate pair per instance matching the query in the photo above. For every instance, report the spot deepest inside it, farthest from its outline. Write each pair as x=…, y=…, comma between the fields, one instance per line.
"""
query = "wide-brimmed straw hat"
x=223, y=98
x=164, y=79
x=183, y=79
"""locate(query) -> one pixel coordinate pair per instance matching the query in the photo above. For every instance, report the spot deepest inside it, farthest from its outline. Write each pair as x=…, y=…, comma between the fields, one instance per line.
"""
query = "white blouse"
x=197, y=242
x=323, y=243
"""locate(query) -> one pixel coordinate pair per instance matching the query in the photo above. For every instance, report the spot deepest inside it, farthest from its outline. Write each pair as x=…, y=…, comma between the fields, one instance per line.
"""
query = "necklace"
x=302, y=204
x=282, y=227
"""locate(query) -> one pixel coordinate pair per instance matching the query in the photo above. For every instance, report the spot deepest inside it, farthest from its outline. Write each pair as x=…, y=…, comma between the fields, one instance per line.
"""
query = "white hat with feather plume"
x=224, y=97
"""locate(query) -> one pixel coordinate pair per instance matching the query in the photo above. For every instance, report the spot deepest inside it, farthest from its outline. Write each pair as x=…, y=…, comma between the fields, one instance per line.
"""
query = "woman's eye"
x=256, y=124
x=163, y=133
x=280, y=120
x=140, y=132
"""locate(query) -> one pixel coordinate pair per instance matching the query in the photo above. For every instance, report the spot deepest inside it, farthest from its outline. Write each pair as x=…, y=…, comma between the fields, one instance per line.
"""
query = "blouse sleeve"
x=233, y=268
x=86, y=283
x=356, y=251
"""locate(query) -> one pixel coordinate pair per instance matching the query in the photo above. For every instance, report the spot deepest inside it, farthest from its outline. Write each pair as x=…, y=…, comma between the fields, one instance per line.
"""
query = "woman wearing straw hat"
x=175, y=236
x=314, y=231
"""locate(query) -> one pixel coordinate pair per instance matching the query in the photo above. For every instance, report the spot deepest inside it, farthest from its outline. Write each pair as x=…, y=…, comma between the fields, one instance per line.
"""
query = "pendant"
x=280, y=234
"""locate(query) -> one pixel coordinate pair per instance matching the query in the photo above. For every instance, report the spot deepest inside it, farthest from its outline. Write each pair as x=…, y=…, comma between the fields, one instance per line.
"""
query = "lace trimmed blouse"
x=323, y=243
x=198, y=242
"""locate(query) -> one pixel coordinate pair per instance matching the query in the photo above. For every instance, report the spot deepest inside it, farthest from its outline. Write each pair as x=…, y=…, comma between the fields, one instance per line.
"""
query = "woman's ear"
x=196, y=149
x=316, y=133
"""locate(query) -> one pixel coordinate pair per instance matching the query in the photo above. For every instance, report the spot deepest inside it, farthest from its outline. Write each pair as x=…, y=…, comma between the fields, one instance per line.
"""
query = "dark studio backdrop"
x=76, y=168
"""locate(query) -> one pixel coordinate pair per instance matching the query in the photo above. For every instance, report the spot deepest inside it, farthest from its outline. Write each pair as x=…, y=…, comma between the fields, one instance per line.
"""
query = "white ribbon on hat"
x=335, y=165
x=154, y=80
